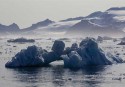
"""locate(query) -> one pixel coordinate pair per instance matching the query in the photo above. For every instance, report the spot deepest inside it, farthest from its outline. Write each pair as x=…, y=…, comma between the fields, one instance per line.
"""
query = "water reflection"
x=93, y=69
x=58, y=73
x=57, y=76
x=27, y=76
x=93, y=78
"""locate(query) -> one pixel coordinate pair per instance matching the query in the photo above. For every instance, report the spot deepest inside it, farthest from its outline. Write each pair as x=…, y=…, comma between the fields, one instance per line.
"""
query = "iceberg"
x=27, y=57
x=89, y=54
x=86, y=54
x=36, y=56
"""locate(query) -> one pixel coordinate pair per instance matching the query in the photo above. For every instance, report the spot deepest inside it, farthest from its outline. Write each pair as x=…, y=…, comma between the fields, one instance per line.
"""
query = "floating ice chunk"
x=100, y=39
x=20, y=40
x=121, y=43
x=36, y=56
x=28, y=57
x=89, y=54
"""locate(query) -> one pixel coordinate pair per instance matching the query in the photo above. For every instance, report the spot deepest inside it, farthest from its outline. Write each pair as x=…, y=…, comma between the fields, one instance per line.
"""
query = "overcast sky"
x=26, y=12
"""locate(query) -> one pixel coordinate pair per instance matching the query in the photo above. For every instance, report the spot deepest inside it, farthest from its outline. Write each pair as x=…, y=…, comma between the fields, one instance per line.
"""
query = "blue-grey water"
x=56, y=75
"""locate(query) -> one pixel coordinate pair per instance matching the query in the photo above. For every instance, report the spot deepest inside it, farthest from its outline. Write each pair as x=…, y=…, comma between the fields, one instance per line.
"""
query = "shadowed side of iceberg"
x=36, y=56
x=27, y=57
x=89, y=54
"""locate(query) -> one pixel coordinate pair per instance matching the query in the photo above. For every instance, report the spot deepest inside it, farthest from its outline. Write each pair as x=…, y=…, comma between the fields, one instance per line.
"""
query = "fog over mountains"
x=111, y=22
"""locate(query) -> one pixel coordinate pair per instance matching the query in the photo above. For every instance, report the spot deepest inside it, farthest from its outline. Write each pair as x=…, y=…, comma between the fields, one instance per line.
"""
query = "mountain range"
x=110, y=22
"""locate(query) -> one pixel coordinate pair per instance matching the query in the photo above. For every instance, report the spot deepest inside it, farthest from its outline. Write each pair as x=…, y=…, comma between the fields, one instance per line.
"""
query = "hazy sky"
x=26, y=12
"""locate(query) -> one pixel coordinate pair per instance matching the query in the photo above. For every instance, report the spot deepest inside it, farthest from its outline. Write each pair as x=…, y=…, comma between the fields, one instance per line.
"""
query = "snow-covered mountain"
x=13, y=28
x=39, y=25
x=110, y=22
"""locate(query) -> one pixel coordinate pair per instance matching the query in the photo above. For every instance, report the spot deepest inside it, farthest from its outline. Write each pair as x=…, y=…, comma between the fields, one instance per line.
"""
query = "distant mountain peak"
x=13, y=26
x=82, y=24
x=48, y=20
x=95, y=14
x=43, y=23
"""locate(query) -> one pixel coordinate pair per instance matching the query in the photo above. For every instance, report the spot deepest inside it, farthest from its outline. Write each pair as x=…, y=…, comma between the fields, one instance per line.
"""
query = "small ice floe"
x=121, y=43
x=119, y=79
x=21, y=40
x=14, y=46
x=65, y=39
x=100, y=39
x=69, y=78
x=115, y=40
